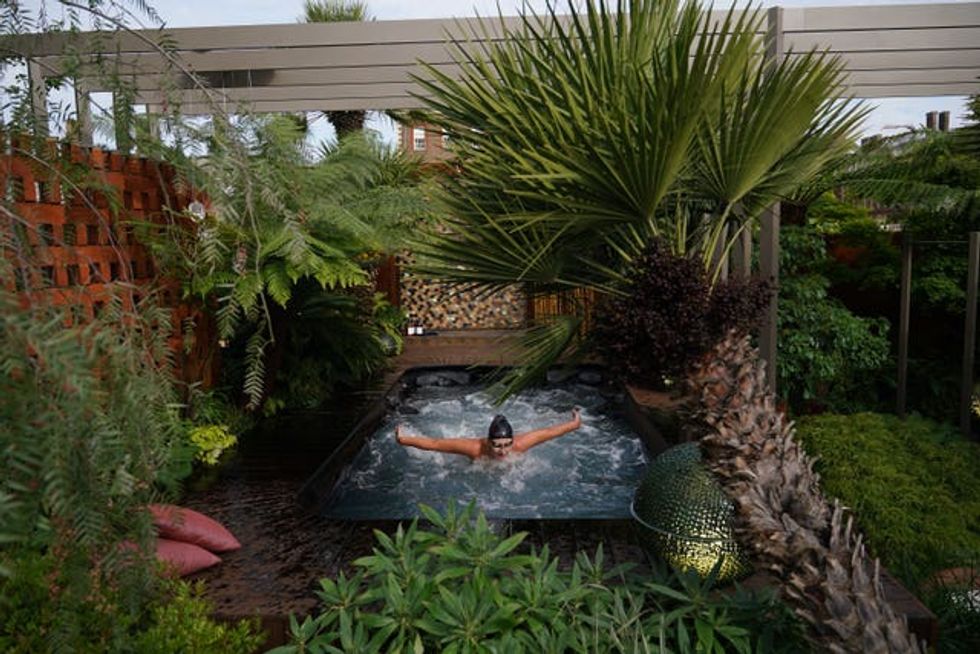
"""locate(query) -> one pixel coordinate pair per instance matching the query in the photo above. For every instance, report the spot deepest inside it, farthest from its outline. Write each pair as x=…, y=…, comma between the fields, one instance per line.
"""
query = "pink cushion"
x=189, y=526
x=184, y=558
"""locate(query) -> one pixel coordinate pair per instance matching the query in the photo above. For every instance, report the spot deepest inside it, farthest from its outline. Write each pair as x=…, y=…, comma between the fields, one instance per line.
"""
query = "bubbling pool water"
x=588, y=473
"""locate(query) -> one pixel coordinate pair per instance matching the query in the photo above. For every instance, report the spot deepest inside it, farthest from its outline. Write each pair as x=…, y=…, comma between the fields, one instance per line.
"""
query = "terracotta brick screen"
x=79, y=246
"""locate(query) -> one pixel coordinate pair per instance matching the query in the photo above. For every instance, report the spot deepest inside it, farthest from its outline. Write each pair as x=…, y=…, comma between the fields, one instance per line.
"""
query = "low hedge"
x=914, y=486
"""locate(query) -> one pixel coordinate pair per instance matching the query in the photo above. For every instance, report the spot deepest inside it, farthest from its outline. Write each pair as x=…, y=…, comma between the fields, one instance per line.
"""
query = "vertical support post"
x=83, y=114
x=153, y=123
x=970, y=333
x=769, y=269
x=769, y=227
x=905, y=309
x=39, y=97
x=775, y=46
x=742, y=254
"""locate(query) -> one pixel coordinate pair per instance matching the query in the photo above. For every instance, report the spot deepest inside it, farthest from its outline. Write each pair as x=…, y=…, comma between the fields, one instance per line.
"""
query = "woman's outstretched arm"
x=524, y=442
x=470, y=447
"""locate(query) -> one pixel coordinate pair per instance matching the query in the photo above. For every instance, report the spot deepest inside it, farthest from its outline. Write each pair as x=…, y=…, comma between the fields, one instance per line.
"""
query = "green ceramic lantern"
x=685, y=517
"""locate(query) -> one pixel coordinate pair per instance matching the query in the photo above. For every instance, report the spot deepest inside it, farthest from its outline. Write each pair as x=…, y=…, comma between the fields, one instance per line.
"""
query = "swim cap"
x=500, y=429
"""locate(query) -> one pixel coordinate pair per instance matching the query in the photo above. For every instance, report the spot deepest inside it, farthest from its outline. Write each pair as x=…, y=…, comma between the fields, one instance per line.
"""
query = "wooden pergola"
x=888, y=50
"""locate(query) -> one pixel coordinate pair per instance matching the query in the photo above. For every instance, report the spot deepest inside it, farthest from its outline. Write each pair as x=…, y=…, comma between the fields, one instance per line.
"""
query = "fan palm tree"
x=583, y=137
x=339, y=11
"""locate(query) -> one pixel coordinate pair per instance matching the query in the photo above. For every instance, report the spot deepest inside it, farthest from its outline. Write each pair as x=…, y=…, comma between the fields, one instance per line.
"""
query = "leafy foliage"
x=670, y=315
x=211, y=441
x=956, y=606
x=584, y=138
x=329, y=340
x=283, y=233
x=914, y=487
x=182, y=622
x=89, y=434
x=174, y=618
x=334, y=11
x=912, y=484
x=826, y=353
x=461, y=587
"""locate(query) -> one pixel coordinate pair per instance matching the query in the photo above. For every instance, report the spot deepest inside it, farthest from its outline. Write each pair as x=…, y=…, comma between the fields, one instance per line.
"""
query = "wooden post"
x=152, y=123
x=769, y=269
x=83, y=114
x=905, y=302
x=39, y=97
x=970, y=333
x=769, y=227
x=742, y=254
x=774, y=40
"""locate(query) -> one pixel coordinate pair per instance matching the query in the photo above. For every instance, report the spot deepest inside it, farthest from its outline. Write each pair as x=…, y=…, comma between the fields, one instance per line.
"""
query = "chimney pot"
x=944, y=121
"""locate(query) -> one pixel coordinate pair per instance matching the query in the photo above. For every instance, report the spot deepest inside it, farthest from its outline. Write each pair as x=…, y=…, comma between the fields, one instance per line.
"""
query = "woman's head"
x=500, y=436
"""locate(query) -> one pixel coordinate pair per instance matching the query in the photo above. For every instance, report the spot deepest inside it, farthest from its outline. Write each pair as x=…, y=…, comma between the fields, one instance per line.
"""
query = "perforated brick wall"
x=77, y=244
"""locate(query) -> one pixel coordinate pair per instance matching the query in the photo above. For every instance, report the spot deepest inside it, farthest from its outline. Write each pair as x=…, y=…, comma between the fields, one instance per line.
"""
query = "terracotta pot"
x=955, y=578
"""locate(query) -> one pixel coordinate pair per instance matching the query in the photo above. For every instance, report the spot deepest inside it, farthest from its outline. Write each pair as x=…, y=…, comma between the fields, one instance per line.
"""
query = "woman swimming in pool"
x=500, y=440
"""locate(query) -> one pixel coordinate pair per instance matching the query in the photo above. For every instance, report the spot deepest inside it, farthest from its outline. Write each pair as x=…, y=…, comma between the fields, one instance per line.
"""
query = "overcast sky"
x=891, y=114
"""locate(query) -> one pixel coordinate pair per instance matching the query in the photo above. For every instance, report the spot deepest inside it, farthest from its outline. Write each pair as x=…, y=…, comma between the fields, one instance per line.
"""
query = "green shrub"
x=211, y=441
x=182, y=623
x=914, y=487
x=461, y=587
x=831, y=216
x=172, y=618
x=825, y=351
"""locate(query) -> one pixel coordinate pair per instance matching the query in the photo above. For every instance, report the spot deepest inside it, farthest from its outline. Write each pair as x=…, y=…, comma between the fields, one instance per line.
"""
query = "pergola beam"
x=888, y=51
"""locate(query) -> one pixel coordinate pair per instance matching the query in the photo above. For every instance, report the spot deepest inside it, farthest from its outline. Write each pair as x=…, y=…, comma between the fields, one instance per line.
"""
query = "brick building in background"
x=425, y=140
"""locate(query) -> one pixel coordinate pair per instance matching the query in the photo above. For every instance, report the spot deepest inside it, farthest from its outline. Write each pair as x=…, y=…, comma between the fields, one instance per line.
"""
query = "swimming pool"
x=589, y=473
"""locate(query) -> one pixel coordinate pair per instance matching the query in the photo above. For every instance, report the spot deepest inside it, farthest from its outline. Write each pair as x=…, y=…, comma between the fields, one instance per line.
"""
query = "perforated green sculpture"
x=685, y=517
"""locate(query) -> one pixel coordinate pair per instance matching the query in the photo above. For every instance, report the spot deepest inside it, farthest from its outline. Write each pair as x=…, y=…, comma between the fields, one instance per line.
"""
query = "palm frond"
x=539, y=348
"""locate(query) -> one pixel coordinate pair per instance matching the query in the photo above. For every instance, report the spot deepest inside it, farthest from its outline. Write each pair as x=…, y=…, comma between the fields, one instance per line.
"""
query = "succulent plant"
x=783, y=518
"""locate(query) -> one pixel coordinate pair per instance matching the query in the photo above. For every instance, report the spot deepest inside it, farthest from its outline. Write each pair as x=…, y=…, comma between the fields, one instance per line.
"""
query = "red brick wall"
x=80, y=247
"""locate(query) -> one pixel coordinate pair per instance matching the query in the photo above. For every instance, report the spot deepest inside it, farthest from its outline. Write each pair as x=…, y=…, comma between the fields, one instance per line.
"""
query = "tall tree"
x=339, y=11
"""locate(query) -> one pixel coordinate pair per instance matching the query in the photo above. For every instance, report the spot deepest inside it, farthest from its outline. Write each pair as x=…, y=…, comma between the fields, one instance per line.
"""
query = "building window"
x=418, y=138
x=47, y=276
x=70, y=234
x=94, y=274
x=73, y=276
x=46, y=231
x=91, y=235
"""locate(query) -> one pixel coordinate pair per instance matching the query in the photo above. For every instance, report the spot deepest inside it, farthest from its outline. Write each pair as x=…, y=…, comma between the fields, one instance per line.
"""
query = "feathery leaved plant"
x=278, y=221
